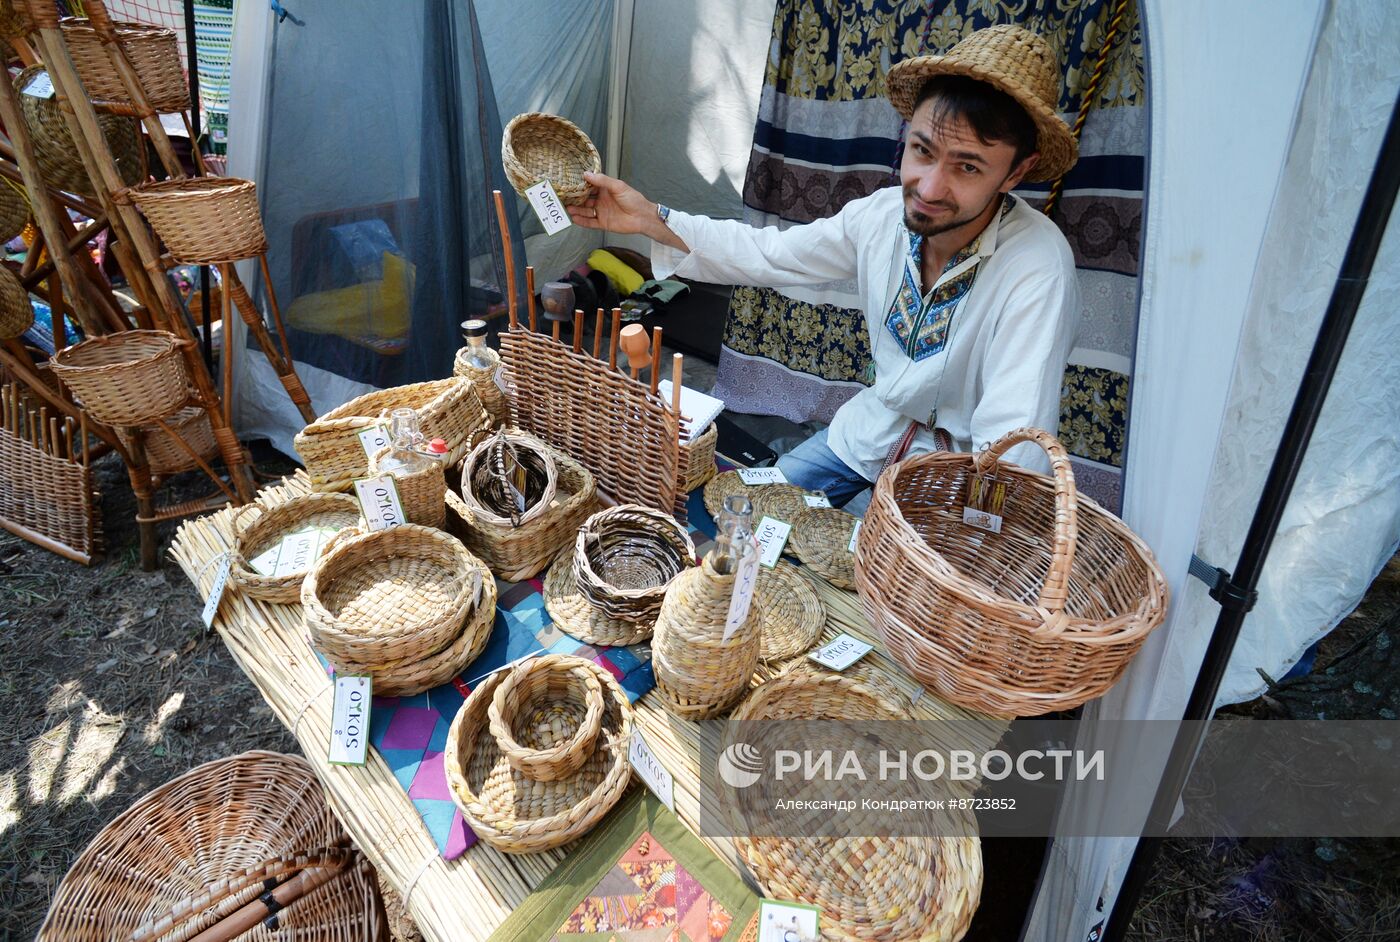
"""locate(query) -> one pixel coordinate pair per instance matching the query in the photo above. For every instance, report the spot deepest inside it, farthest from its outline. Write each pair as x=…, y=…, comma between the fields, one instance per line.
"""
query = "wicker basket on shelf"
x=14, y=210
x=58, y=158
x=539, y=147
x=154, y=54
x=1044, y=615
x=204, y=220
x=484, y=382
x=130, y=378
x=546, y=714
x=626, y=556
x=518, y=553
x=16, y=311
x=164, y=454
x=821, y=538
x=422, y=493
x=255, y=535
x=488, y=490
x=517, y=814
x=697, y=459
x=447, y=408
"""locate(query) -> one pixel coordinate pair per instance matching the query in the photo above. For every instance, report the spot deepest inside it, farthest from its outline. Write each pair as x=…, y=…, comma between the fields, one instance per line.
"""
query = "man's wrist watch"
x=663, y=213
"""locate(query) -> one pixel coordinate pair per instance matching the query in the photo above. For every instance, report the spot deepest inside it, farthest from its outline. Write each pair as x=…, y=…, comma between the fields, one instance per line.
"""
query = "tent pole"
x=1238, y=592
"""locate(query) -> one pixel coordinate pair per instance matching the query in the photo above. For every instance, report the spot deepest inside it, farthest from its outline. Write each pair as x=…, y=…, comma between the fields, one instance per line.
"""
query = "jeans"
x=814, y=466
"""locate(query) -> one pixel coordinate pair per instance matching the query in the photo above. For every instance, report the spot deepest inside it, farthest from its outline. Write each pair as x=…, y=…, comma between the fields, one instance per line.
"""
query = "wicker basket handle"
x=101, y=21
x=1056, y=588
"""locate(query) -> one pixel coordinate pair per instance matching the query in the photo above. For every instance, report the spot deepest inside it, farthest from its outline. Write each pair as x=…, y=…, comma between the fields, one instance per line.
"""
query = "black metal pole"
x=192, y=66
x=1236, y=597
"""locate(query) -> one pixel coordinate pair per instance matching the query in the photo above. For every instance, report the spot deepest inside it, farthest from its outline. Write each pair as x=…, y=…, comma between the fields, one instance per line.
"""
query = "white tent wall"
x=1238, y=295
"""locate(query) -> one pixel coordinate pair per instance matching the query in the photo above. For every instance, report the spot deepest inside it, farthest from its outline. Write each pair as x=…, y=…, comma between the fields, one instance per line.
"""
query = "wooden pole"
x=530, y=295
x=598, y=335
x=655, y=359
x=676, y=384
x=612, y=344
x=578, y=330
x=509, y=258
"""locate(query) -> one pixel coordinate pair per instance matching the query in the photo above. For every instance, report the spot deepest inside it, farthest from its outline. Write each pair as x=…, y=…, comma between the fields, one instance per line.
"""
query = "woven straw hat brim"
x=1058, y=149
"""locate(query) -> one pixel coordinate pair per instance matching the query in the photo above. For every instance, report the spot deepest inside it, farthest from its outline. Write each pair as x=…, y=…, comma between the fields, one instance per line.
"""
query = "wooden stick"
x=655, y=359
x=530, y=296
x=612, y=346
x=69, y=431
x=225, y=318
x=598, y=335
x=33, y=428
x=82, y=431
x=676, y=383
x=202, y=170
x=276, y=308
x=44, y=429
x=509, y=258
x=578, y=330
x=55, y=440
x=556, y=329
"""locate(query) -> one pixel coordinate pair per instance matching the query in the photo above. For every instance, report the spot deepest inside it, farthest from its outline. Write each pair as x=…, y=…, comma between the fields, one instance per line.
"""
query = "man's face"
x=950, y=177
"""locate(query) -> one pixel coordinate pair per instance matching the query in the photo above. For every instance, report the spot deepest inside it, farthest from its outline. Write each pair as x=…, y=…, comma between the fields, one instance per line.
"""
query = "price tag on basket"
x=787, y=922
x=745, y=581
x=753, y=476
x=40, y=87
x=772, y=535
x=216, y=592
x=500, y=377
x=350, y=720
x=649, y=767
x=855, y=535
x=841, y=653
x=985, y=497
x=373, y=438
x=379, y=501
x=816, y=500
x=545, y=202
x=296, y=552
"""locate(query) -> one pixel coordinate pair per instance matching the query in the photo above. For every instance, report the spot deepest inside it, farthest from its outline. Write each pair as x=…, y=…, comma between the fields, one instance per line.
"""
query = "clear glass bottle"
x=478, y=355
x=405, y=438
x=733, y=535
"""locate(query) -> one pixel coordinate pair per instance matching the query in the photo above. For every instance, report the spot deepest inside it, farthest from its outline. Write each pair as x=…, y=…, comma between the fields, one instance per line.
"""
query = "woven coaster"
x=793, y=616
x=577, y=617
x=820, y=537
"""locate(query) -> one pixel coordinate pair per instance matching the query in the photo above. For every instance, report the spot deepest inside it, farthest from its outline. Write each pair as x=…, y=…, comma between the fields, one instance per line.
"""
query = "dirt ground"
x=110, y=687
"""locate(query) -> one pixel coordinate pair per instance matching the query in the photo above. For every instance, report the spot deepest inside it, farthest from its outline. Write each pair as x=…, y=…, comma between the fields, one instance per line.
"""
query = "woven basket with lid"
x=154, y=54
x=129, y=378
x=540, y=146
x=204, y=220
x=626, y=556
x=1043, y=616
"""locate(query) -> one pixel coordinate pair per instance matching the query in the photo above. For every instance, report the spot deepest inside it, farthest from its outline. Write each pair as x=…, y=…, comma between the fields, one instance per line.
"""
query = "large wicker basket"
x=130, y=378
x=547, y=147
x=1042, y=616
x=626, y=556
x=164, y=454
x=204, y=220
x=58, y=158
x=154, y=54
x=200, y=847
x=447, y=408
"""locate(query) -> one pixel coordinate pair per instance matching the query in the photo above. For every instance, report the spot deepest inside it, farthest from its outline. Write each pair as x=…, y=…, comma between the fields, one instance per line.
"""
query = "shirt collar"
x=982, y=246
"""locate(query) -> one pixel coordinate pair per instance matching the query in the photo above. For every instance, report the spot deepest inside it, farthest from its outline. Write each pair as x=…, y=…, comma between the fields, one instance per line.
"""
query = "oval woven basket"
x=540, y=146
x=58, y=157
x=488, y=494
x=869, y=889
x=1043, y=616
x=204, y=220
x=164, y=454
x=255, y=535
x=697, y=459
x=129, y=378
x=14, y=210
x=16, y=311
x=423, y=493
x=203, y=843
x=546, y=714
x=626, y=556
x=484, y=382
x=154, y=54
x=514, y=813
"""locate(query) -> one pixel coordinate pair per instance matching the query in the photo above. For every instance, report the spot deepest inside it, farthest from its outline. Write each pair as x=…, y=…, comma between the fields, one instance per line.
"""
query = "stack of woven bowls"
x=538, y=755
x=409, y=606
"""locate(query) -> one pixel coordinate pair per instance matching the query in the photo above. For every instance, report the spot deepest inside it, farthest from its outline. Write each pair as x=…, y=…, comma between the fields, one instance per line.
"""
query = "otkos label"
x=841, y=653
x=745, y=581
x=295, y=553
x=772, y=535
x=216, y=593
x=649, y=767
x=41, y=87
x=762, y=476
x=379, y=501
x=816, y=500
x=787, y=922
x=545, y=202
x=982, y=520
x=350, y=720
x=500, y=377
x=855, y=535
x=372, y=439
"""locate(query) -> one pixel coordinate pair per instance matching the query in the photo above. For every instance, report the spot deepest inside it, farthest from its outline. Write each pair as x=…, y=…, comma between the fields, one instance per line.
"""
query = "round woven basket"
x=578, y=618
x=1043, y=616
x=201, y=845
x=58, y=157
x=204, y=220
x=164, y=454
x=626, y=556
x=422, y=493
x=546, y=714
x=783, y=502
x=14, y=210
x=486, y=489
x=392, y=597
x=869, y=889
x=793, y=615
x=821, y=537
x=255, y=535
x=130, y=378
x=16, y=312
x=547, y=147
x=699, y=673
x=154, y=54
x=484, y=382
x=14, y=20
x=516, y=814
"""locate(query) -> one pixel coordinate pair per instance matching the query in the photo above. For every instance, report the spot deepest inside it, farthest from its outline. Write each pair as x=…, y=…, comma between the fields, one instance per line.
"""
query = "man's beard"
x=922, y=225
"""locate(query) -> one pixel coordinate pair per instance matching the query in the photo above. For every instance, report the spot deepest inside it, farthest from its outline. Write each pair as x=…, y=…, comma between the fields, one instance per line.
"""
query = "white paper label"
x=350, y=720
x=855, y=535
x=379, y=501
x=373, y=438
x=216, y=593
x=298, y=550
x=41, y=87
x=265, y=563
x=649, y=767
x=772, y=536
x=762, y=476
x=981, y=519
x=841, y=653
x=816, y=500
x=500, y=378
x=787, y=922
x=745, y=581
x=545, y=202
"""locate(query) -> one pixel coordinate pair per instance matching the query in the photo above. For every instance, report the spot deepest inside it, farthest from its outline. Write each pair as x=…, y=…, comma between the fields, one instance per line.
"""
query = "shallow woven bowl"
x=820, y=538
x=129, y=378
x=626, y=556
x=257, y=534
x=540, y=146
x=546, y=714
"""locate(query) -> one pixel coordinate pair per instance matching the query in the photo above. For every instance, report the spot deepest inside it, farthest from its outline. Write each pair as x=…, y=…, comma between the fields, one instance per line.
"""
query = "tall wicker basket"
x=1042, y=616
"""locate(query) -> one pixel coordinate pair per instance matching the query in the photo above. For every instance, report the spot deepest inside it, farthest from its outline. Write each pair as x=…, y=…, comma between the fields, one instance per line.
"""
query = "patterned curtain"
x=826, y=135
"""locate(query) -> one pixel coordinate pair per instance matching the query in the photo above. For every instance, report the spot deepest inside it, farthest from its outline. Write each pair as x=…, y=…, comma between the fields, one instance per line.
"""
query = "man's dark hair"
x=992, y=114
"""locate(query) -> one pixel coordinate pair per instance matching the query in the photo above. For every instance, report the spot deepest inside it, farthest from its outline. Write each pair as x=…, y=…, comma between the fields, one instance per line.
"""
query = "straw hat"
x=1014, y=60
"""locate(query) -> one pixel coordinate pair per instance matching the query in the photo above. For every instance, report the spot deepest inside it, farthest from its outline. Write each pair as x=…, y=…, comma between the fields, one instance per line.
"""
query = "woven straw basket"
x=447, y=408
x=154, y=54
x=14, y=210
x=517, y=814
x=164, y=454
x=697, y=460
x=484, y=382
x=485, y=488
x=1043, y=616
x=423, y=493
x=201, y=846
x=16, y=313
x=547, y=147
x=256, y=534
x=130, y=378
x=519, y=553
x=626, y=556
x=408, y=605
x=59, y=160
x=869, y=889
x=546, y=714
x=204, y=220
x=821, y=538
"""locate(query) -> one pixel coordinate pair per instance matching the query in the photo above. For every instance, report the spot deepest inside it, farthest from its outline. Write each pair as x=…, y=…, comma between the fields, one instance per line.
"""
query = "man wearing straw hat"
x=970, y=295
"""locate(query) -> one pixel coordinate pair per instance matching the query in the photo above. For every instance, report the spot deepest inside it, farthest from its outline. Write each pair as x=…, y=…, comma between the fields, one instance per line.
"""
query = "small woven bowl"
x=626, y=556
x=793, y=615
x=540, y=146
x=546, y=714
x=783, y=502
x=820, y=537
x=255, y=535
